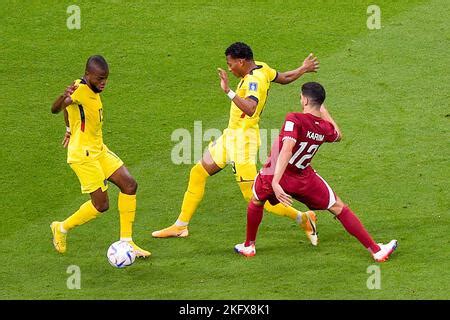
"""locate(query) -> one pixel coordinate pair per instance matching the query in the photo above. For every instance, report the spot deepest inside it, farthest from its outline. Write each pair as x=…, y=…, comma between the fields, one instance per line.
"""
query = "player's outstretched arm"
x=64, y=100
x=248, y=106
x=280, y=167
x=327, y=116
x=310, y=64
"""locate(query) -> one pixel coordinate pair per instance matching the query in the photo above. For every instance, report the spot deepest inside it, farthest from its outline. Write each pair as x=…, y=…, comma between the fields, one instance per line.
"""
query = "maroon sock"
x=254, y=217
x=353, y=226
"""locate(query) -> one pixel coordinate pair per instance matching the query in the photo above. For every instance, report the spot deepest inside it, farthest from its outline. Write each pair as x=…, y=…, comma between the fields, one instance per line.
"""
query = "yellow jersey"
x=255, y=85
x=86, y=121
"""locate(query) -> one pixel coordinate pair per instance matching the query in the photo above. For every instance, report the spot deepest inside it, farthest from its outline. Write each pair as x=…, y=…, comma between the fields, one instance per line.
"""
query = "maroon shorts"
x=311, y=190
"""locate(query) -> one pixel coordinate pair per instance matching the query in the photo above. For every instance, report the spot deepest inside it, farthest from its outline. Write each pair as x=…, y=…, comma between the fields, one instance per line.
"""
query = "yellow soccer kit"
x=239, y=142
x=93, y=163
x=91, y=160
x=237, y=145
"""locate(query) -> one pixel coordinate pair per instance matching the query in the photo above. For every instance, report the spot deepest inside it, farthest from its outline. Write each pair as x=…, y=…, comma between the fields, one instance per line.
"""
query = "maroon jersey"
x=309, y=132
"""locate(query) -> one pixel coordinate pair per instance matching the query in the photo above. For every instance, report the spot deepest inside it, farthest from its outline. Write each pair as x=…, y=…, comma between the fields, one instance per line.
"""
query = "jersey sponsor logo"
x=289, y=126
x=315, y=136
x=253, y=86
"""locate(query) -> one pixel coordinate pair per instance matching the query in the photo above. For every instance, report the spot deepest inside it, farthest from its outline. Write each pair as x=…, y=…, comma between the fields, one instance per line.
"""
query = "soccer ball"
x=121, y=254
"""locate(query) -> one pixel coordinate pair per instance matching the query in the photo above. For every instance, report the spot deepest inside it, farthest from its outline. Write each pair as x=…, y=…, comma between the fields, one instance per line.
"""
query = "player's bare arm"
x=247, y=105
x=324, y=114
x=280, y=167
x=310, y=64
x=64, y=100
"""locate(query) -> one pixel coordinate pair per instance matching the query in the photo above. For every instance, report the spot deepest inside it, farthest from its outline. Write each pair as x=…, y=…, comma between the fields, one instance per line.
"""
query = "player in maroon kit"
x=287, y=174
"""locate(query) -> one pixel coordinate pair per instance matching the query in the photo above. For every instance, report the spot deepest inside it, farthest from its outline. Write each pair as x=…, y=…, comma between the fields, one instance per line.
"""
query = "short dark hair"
x=98, y=61
x=239, y=50
x=314, y=91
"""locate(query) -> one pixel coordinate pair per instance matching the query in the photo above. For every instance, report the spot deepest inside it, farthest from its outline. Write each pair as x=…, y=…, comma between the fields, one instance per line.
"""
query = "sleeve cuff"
x=276, y=76
x=253, y=98
x=337, y=136
x=289, y=138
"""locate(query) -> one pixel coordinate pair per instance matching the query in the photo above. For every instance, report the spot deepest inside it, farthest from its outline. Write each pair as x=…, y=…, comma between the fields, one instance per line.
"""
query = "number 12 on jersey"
x=304, y=161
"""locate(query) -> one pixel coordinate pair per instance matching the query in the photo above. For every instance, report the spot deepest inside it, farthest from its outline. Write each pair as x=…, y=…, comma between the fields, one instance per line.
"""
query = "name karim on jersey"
x=314, y=136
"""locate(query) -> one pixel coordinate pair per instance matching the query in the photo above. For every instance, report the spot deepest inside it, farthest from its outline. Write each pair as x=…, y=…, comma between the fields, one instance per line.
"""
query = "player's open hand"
x=70, y=89
x=311, y=64
x=223, y=80
x=66, y=139
x=68, y=92
x=282, y=196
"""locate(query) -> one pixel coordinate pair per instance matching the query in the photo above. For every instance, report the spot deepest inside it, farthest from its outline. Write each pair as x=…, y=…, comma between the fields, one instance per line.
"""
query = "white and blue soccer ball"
x=121, y=254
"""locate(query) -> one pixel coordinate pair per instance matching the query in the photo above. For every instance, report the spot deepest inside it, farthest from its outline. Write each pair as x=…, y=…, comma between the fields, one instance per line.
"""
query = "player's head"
x=238, y=56
x=313, y=95
x=96, y=73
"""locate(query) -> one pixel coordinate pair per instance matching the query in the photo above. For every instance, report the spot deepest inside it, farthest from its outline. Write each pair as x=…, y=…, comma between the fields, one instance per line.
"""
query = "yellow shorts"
x=94, y=174
x=239, y=151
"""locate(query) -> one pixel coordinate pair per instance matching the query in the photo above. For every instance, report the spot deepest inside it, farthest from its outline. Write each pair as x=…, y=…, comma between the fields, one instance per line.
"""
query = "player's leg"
x=254, y=218
x=196, y=187
x=306, y=220
x=261, y=193
x=126, y=201
x=89, y=210
x=315, y=192
x=127, y=206
x=92, y=181
x=353, y=225
x=192, y=197
x=245, y=175
x=115, y=171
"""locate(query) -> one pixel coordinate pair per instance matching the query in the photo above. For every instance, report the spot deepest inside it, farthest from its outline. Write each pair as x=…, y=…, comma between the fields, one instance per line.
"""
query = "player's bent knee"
x=101, y=206
x=130, y=187
x=337, y=208
x=209, y=166
x=257, y=202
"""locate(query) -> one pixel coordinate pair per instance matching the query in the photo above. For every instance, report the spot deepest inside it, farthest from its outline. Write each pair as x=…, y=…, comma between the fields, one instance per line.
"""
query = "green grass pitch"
x=387, y=88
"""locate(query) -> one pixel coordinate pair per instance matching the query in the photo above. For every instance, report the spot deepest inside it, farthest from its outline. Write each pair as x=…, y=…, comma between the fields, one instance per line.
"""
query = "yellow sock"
x=279, y=209
x=246, y=189
x=127, y=212
x=86, y=213
x=194, y=194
